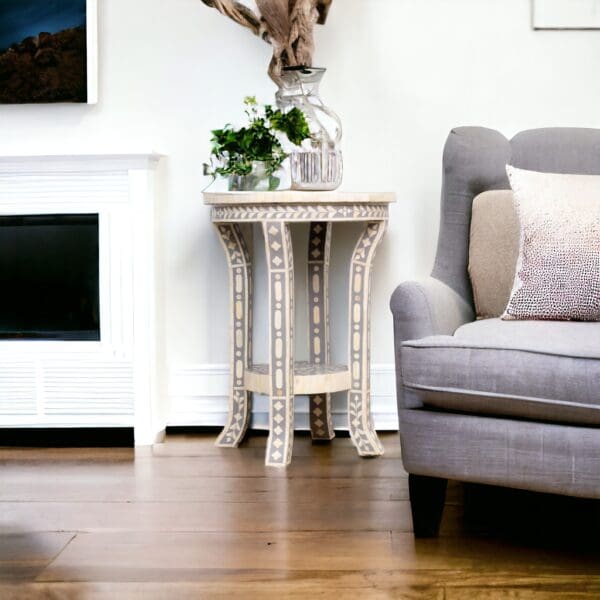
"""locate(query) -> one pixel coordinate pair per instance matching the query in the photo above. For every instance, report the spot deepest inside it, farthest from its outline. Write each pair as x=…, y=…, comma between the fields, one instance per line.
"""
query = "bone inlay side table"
x=282, y=378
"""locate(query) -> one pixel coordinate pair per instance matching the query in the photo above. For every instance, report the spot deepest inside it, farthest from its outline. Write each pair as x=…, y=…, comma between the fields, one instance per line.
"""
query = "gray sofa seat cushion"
x=543, y=370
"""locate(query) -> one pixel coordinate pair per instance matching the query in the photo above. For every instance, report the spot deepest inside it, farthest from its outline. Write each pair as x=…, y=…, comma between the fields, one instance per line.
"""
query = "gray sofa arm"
x=424, y=308
x=427, y=307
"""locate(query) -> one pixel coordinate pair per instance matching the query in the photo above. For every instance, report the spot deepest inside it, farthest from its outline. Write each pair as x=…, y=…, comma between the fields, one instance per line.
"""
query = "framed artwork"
x=48, y=51
x=566, y=14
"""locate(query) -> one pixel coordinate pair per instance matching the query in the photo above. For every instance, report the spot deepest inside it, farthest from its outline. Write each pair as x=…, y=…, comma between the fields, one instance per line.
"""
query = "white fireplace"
x=115, y=381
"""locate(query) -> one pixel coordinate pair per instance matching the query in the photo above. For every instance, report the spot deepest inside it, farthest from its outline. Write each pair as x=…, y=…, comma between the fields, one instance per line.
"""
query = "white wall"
x=401, y=74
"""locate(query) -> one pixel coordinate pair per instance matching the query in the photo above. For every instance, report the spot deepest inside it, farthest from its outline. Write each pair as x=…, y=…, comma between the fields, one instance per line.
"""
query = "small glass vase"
x=258, y=180
x=317, y=163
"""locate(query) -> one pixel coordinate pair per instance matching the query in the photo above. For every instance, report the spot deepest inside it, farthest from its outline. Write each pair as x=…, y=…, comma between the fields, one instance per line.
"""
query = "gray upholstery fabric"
x=493, y=251
x=560, y=459
x=474, y=161
x=534, y=369
x=557, y=150
x=566, y=338
x=429, y=307
x=424, y=308
x=539, y=456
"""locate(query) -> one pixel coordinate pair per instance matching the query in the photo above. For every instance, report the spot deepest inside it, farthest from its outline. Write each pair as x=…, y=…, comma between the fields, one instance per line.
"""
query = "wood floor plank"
x=234, y=465
x=182, y=556
x=23, y=554
x=492, y=556
x=341, y=587
x=260, y=587
x=45, y=487
x=187, y=445
x=550, y=592
x=291, y=515
x=255, y=446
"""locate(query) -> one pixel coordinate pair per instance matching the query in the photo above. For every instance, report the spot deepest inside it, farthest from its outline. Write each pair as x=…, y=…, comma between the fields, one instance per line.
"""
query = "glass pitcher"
x=317, y=163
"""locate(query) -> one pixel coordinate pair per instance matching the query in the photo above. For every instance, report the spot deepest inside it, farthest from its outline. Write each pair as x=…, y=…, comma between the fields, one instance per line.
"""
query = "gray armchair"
x=509, y=403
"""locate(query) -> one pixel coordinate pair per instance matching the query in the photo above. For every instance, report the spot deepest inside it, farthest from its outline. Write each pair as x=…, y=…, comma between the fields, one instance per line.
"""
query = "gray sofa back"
x=474, y=162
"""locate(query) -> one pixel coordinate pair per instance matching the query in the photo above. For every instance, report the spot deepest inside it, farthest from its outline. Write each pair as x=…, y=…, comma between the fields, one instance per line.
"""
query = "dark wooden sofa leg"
x=427, y=496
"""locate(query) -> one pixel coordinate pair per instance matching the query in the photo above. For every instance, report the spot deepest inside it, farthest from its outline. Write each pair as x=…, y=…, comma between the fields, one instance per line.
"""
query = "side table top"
x=297, y=197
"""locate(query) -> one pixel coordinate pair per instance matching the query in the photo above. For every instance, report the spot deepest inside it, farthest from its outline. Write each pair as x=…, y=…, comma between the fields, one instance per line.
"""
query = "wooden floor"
x=189, y=520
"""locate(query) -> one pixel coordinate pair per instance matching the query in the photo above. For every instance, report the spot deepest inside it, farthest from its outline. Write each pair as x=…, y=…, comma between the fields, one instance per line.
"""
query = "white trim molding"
x=198, y=396
x=91, y=27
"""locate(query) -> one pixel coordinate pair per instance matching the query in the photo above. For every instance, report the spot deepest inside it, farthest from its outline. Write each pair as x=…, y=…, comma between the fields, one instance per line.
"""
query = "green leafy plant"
x=234, y=151
x=292, y=123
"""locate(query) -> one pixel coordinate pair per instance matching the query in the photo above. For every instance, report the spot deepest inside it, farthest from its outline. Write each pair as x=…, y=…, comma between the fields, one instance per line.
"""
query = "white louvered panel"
x=88, y=389
x=17, y=388
x=64, y=188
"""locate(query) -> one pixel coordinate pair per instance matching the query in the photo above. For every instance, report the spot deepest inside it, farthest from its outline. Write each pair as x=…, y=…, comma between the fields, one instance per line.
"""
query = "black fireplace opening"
x=49, y=277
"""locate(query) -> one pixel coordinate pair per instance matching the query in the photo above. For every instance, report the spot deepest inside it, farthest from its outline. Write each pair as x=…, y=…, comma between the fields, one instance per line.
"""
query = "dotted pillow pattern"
x=558, y=268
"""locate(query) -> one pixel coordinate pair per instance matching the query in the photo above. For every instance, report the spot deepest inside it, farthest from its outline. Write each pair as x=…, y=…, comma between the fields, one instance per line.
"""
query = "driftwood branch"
x=288, y=25
x=303, y=17
x=323, y=8
x=238, y=12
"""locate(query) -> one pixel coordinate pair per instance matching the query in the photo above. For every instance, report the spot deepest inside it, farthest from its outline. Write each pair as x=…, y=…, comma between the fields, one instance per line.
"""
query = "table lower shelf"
x=309, y=378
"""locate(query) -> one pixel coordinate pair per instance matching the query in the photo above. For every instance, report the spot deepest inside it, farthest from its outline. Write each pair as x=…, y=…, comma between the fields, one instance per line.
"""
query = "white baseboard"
x=198, y=396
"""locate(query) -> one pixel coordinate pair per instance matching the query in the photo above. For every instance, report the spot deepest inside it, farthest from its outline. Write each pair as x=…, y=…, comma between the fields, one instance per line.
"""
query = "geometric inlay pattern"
x=300, y=212
x=240, y=269
x=278, y=246
x=359, y=397
x=319, y=244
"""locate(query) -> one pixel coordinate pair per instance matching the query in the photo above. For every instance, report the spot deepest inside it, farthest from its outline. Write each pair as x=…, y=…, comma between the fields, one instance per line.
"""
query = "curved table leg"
x=319, y=242
x=280, y=265
x=359, y=397
x=240, y=289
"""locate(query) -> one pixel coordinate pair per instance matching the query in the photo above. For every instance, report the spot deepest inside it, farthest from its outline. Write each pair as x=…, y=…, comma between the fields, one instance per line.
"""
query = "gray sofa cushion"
x=541, y=370
x=562, y=459
x=493, y=251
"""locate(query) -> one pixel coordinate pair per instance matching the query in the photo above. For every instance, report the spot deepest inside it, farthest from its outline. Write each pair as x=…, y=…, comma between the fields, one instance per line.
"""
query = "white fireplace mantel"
x=89, y=163
x=115, y=382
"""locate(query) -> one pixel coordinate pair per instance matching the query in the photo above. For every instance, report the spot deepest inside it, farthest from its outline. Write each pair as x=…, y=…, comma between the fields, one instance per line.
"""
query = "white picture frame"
x=565, y=14
x=92, y=50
